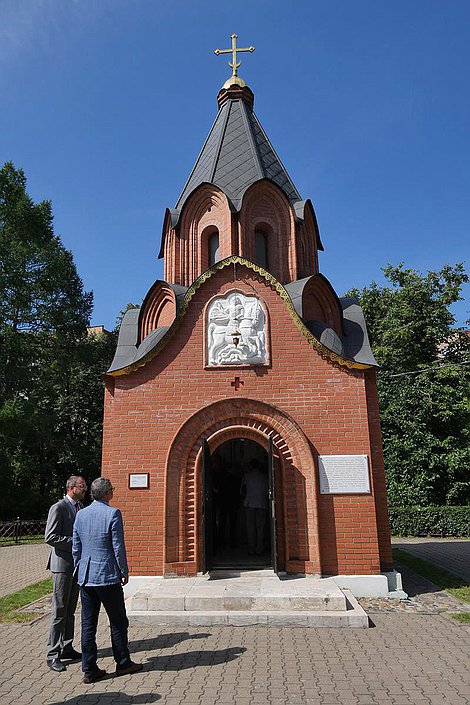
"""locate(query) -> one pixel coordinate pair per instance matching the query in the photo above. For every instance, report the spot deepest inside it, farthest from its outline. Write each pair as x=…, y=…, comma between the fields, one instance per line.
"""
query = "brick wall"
x=156, y=417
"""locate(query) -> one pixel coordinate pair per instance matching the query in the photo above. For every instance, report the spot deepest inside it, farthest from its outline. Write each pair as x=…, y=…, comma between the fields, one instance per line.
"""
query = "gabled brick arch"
x=158, y=309
x=185, y=254
x=266, y=206
x=312, y=238
x=296, y=481
x=307, y=257
x=320, y=303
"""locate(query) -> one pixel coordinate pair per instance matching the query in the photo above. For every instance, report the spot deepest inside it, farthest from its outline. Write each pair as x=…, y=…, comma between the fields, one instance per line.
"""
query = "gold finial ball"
x=234, y=81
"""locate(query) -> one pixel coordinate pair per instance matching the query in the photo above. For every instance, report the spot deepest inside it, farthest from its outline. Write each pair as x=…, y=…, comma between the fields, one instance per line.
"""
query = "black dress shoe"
x=71, y=655
x=56, y=665
x=95, y=676
x=127, y=670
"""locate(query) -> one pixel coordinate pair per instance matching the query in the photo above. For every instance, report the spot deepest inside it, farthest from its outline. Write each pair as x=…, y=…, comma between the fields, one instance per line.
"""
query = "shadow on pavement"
x=109, y=697
x=192, y=659
x=416, y=585
x=162, y=641
x=435, y=552
x=413, y=583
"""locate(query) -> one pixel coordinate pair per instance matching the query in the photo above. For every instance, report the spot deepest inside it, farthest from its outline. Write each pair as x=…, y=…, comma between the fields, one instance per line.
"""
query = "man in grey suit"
x=99, y=555
x=58, y=535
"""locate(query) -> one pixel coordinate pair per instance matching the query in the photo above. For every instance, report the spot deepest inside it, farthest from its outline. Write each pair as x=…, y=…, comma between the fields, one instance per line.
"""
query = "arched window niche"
x=213, y=247
x=261, y=248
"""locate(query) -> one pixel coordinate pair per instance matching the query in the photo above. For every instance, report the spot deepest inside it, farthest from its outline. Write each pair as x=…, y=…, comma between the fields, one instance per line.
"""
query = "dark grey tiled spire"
x=237, y=153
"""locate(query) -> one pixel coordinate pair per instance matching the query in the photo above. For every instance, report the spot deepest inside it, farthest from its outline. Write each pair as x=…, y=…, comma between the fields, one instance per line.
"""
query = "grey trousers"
x=64, y=603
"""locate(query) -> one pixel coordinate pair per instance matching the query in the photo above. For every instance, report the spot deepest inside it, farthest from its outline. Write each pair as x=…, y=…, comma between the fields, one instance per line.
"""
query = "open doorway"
x=238, y=518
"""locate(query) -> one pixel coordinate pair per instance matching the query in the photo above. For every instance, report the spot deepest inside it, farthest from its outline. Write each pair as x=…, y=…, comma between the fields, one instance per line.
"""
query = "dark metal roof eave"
x=164, y=334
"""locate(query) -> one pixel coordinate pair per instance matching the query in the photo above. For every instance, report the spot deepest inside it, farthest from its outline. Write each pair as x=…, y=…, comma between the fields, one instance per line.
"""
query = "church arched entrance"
x=239, y=519
x=268, y=434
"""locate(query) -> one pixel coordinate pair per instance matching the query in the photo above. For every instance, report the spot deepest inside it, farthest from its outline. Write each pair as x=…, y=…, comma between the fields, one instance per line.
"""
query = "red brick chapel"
x=244, y=352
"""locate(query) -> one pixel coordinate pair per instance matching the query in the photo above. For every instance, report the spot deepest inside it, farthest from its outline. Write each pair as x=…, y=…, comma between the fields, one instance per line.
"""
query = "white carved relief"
x=236, y=331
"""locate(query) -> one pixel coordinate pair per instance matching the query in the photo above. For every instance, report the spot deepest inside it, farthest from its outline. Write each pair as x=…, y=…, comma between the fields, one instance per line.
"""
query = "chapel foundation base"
x=240, y=600
x=384, y=585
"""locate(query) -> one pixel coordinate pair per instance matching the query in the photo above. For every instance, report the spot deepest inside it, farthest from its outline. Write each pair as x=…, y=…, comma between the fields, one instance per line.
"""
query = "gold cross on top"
x=234, y=65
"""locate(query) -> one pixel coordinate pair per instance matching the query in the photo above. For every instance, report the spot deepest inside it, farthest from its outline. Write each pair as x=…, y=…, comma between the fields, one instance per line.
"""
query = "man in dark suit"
x=99, y=554
x=58, y=535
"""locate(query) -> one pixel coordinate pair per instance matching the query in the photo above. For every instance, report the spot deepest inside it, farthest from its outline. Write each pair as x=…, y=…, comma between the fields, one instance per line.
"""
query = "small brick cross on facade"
x=237, y=383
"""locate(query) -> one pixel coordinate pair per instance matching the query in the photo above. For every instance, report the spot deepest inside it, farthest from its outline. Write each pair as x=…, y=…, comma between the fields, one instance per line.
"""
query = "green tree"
x=423, y=384
x=50, y=390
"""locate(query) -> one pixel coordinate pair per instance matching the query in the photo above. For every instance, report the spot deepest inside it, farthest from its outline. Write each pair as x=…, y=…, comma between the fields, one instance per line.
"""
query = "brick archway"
x=296, y=494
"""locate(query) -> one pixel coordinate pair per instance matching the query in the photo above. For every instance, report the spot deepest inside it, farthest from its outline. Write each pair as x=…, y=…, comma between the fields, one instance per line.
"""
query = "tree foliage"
x=423, y=384
x=50, y=391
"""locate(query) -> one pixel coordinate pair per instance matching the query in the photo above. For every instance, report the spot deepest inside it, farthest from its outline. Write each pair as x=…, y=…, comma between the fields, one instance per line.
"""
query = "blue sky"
x=106, y=104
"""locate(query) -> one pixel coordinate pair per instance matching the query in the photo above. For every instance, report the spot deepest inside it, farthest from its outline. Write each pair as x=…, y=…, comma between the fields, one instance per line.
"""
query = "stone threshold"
x=247, y=593
x=353, y=617
x=239, y=600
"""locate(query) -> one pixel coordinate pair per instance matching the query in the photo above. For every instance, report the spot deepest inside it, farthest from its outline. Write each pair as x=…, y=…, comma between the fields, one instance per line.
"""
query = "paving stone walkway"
x=22, y=565
x=414, y=655
x=451, y=554
x=406, y=659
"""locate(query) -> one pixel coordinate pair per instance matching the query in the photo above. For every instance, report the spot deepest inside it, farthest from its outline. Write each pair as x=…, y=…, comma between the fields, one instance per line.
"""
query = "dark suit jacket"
x=59, y=530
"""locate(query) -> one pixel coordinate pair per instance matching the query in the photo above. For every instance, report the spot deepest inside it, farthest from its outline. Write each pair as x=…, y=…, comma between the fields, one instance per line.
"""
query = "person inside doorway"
x=254, y=490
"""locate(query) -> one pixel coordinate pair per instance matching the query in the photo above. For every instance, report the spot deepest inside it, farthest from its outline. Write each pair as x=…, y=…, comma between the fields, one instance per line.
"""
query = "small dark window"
x=213, y=248
x=261, y=249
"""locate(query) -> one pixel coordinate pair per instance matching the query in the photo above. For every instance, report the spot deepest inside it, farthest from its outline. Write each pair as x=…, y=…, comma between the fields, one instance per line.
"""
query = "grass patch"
x=10, y=541
x=461, y=617
x=10, y=603
x=442, y=578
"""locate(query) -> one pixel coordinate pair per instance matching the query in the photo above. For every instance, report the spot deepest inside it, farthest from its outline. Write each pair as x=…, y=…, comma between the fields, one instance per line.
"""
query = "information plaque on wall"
x=138, y=480
x=344, y=474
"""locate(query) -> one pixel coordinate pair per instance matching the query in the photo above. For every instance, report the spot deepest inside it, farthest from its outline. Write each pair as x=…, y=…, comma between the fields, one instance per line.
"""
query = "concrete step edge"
x=353, y=618
x=259, y=603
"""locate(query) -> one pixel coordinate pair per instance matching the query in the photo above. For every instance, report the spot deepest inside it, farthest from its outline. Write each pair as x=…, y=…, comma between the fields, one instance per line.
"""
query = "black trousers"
x=112, y=598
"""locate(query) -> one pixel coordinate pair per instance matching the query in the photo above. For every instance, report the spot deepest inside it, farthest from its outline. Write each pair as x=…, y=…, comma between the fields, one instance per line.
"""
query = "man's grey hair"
x=72, y=481
x=100, y=487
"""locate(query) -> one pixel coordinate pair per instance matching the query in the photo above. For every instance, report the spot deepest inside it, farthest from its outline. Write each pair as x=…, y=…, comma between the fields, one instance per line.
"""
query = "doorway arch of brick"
x=296, y=484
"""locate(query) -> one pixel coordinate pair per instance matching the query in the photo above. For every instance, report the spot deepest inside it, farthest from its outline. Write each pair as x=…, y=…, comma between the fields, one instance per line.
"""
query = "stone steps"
x=241, y=599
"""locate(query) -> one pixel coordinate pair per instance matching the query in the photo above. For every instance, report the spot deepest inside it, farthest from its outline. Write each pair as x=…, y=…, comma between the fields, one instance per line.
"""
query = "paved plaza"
x=22, y=565
x=407, y=657
x=450, y=554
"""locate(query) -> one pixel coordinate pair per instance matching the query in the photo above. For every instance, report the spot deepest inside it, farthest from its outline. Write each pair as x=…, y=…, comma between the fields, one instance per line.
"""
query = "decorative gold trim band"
x=235, y=259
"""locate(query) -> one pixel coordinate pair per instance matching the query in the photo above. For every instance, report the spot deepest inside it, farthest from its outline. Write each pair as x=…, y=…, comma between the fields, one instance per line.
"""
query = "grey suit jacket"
x=59, y=530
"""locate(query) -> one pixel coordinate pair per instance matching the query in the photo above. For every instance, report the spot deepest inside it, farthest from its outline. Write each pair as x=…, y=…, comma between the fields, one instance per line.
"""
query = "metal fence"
x=21, y=530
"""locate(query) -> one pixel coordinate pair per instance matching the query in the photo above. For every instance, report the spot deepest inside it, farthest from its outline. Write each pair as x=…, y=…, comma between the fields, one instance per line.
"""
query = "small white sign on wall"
x=138, y=480
x=344, y=474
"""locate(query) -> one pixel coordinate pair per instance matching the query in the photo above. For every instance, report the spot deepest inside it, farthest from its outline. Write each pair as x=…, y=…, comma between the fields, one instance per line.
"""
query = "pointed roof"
x=237, y=152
